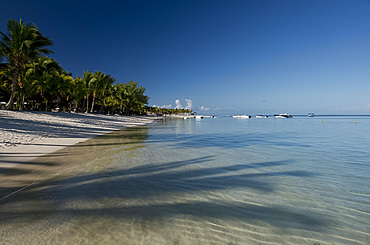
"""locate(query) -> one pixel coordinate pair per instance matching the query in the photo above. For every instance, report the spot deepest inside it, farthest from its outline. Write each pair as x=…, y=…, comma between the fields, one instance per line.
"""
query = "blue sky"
x=222, y=56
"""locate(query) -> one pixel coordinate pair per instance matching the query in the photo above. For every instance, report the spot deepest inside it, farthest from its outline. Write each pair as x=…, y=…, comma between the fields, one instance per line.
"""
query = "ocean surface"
x=210, y=181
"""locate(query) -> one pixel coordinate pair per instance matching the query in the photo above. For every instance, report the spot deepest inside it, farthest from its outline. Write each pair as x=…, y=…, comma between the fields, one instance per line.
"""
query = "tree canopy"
x=22, y=44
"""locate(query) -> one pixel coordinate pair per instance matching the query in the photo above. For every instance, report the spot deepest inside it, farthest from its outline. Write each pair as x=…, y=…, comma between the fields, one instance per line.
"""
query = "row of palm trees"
x=31, y=80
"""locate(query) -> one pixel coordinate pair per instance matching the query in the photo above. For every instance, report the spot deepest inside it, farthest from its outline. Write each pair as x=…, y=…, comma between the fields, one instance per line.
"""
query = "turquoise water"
x=210, y=181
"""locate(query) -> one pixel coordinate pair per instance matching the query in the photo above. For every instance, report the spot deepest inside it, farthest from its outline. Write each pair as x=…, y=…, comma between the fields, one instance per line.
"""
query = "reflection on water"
x=189, y=182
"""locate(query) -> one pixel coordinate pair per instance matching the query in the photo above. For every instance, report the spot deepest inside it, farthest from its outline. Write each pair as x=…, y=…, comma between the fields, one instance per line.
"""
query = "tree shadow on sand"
x=159, y=181
x=85, y=124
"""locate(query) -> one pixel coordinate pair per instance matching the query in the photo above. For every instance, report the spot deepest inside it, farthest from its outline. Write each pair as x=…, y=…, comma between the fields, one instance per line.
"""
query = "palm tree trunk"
x=10, y=102
x=102, y=105
x=42, y=101
x=21, y=103
x=46, y=104
x=87, y=103
x=93, y=102
x=83, y=105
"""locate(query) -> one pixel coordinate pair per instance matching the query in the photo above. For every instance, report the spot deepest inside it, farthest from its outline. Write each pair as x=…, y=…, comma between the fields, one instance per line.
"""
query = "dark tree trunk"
x=10, y=102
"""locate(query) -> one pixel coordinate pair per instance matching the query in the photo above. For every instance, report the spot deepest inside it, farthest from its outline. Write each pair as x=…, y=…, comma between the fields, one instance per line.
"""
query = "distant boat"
x=285, y=115
x=311, y=114
x=242, y=116
x=198, y=117
x=262, y=116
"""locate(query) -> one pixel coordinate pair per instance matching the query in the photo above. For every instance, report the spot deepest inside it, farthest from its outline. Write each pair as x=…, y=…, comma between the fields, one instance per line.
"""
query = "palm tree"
x=95, y=86
x=99, y=85
x=111, y=98
x=78, y=91
x=64, y=90
x=89, y=81
x=23, y=43
x=44, y=76
x=119, y=95
x=106, y=88
x=6, y=81
x=2, y=57
x=135, y=100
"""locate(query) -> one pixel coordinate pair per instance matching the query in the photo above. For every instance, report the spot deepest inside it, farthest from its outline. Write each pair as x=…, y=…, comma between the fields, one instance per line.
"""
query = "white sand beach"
x=25, y=136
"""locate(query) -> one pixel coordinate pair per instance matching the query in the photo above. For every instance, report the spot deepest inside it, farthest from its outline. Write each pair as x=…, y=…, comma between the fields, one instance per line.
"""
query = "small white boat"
x=311, y=114
x=242, y=116
x=285, y=115
x=262, y=116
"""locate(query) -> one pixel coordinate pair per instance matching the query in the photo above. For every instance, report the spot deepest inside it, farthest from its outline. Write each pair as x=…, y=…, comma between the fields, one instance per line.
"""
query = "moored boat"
x=242, y=116
x=262, y=116
x=285, y=115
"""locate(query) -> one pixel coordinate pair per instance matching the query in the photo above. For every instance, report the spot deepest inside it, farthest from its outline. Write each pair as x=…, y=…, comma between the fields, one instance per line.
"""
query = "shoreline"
x=25, y=135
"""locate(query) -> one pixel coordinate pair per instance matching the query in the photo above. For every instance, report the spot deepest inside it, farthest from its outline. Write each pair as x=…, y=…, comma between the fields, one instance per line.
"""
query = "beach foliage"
x=44, y=79
x=135, y=98
x=96, y=92
x=20, y=45
x=167, y=111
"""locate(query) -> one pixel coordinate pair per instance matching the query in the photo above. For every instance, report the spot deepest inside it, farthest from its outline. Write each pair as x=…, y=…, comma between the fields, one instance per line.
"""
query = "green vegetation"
x=23, y=44
x=165, y=111
x=29, y=80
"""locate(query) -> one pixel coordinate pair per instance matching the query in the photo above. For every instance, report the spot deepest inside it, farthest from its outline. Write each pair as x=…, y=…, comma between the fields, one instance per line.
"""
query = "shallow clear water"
x=209, y=181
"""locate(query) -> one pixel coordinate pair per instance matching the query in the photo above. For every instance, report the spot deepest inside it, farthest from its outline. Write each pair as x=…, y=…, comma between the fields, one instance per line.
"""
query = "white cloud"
x=203, y=108
x=189, y=104
x=178, y=104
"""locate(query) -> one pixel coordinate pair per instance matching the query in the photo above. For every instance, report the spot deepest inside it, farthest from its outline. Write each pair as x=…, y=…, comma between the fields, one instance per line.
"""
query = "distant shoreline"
x=318, y=115
x=270, y=115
